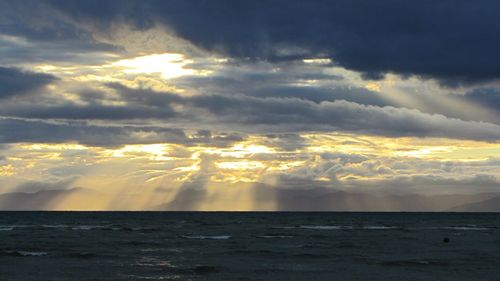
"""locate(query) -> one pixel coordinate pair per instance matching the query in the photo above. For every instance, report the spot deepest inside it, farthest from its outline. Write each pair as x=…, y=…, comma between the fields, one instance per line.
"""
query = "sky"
x=242, y=105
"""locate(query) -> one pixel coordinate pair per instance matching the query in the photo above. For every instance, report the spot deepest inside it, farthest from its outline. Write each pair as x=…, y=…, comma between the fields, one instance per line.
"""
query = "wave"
x=284, y=227
x=81, y=255
x=325, y=227
x=153, y=262
x=466, y=228
x=9, y=227
x=74, y=227
x=341, y=227
x=214, y=237
x=274, y=236
x=32, y=254
x=379, y=227
x=83, y=227
x=54, y=226
x=58, y=226
x=26, y=253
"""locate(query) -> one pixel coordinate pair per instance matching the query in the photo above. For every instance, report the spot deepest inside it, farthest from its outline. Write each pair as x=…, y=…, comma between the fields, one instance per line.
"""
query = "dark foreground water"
x=248, y=246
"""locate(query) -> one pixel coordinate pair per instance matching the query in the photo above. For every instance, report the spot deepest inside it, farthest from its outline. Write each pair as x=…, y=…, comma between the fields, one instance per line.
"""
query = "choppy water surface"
x=248, y=246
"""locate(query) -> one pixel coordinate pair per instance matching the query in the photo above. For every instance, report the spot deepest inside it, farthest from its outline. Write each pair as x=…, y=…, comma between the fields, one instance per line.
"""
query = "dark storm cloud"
x=14, y=81
x=455, y=42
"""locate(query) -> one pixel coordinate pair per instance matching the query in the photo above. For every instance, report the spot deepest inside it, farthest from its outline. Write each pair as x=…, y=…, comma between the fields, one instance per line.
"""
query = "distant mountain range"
x=318, y=199
x=488, y=205
x=324, y=199
x=46, y=199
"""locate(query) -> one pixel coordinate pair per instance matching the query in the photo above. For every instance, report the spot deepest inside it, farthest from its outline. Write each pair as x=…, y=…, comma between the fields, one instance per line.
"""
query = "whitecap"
x=31, y=254
x=6, y=228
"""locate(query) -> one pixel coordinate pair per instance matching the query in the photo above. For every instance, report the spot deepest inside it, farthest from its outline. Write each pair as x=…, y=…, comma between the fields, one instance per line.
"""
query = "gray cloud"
x=35, y=186
x=90, y=112
x=309, y=82
x=107, y=136
x=280, y=86
x=32, y=32
x=250, y=114
x=140, y=104
x=14, y=82
x=488, y=97
x=299, y=115
x=35, y=131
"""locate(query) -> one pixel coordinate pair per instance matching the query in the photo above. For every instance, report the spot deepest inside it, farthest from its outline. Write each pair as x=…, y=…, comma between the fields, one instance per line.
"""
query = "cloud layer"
x=276, y=105
x=15, y=82
x=452, y=41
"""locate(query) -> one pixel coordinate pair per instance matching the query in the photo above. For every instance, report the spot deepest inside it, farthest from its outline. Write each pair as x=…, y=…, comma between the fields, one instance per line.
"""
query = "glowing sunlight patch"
x=252, y=149
x=317, y=61
x=424, y=152
x=151, y=151
x=7, y=170
x=240, y=165
x=168, y=65
x=62, y=146
x=373, y=87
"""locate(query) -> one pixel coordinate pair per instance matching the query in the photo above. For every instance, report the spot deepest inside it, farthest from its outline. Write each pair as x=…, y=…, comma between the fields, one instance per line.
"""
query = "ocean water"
x=248, y=246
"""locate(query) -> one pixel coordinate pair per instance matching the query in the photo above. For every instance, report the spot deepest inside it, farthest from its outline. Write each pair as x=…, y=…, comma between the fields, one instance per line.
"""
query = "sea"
x=249, y=246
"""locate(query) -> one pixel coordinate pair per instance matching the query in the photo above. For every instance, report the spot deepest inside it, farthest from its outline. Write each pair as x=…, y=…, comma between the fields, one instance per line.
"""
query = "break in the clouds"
x=277, y=105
